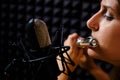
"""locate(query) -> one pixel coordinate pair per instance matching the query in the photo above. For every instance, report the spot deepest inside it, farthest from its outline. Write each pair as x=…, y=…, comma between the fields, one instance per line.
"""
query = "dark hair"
x=119, y=1
x=118, y=6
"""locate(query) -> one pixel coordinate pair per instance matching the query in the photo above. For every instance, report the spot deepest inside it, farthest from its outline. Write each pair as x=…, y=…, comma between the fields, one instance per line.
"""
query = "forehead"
x=112, y=3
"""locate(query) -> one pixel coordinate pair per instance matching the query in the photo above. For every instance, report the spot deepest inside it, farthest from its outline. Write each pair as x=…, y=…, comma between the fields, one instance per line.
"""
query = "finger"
x=71, y=40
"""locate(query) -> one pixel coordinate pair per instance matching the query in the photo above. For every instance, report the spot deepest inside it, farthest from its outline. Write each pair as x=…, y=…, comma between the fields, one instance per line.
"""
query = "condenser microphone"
x=37, y=36
x=42, y=33
x=39, y=45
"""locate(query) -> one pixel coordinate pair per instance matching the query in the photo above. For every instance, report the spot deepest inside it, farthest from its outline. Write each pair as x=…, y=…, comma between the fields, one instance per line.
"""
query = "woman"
x=105, y=26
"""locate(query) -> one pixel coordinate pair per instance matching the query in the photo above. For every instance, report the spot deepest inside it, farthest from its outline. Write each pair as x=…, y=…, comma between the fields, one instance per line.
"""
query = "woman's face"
x=105, y=26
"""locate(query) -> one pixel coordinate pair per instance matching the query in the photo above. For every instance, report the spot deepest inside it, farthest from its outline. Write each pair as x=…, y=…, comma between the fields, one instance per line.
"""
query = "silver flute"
x=87, y=42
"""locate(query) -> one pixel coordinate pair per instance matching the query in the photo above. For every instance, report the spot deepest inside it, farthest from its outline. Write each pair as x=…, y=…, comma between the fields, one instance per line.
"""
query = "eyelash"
x=108, y=17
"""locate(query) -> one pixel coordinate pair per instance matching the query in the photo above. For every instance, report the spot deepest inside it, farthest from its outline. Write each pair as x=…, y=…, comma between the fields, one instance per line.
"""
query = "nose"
x=93, y=22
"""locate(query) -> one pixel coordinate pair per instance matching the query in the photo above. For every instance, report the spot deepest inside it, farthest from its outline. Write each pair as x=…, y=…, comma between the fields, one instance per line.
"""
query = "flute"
x=87, y=42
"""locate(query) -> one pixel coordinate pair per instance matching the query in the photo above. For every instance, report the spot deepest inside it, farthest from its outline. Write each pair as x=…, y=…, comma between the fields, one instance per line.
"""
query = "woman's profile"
x=105, y=27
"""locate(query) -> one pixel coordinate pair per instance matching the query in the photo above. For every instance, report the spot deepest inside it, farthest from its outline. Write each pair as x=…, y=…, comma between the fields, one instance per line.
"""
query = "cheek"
x=109, y=40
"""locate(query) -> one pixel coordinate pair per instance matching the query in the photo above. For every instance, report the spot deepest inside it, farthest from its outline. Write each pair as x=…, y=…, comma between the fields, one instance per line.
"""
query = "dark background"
x=15, y=14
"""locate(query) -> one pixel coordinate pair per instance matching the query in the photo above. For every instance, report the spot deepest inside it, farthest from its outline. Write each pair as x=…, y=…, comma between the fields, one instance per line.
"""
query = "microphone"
x=43, y=38
x=40, y=46
x=37, y=35
x=42, y=33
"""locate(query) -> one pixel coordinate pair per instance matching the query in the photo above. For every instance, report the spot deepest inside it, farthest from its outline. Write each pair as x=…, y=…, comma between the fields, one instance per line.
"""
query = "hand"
x=74, y=53
x=78, y=55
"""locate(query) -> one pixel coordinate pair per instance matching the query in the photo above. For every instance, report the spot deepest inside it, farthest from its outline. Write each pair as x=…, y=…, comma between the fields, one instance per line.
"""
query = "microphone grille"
x=42, y=33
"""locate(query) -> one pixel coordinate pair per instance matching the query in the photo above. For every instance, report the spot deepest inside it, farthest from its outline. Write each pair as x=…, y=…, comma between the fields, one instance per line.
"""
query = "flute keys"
x=94, y=43
x=87, y=42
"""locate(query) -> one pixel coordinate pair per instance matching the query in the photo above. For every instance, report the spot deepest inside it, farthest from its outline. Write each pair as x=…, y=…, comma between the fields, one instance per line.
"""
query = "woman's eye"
x=108, y=17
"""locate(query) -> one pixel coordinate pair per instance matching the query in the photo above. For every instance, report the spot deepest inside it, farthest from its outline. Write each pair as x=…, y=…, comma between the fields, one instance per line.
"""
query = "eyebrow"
x=107, y=6
x=113, y=9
